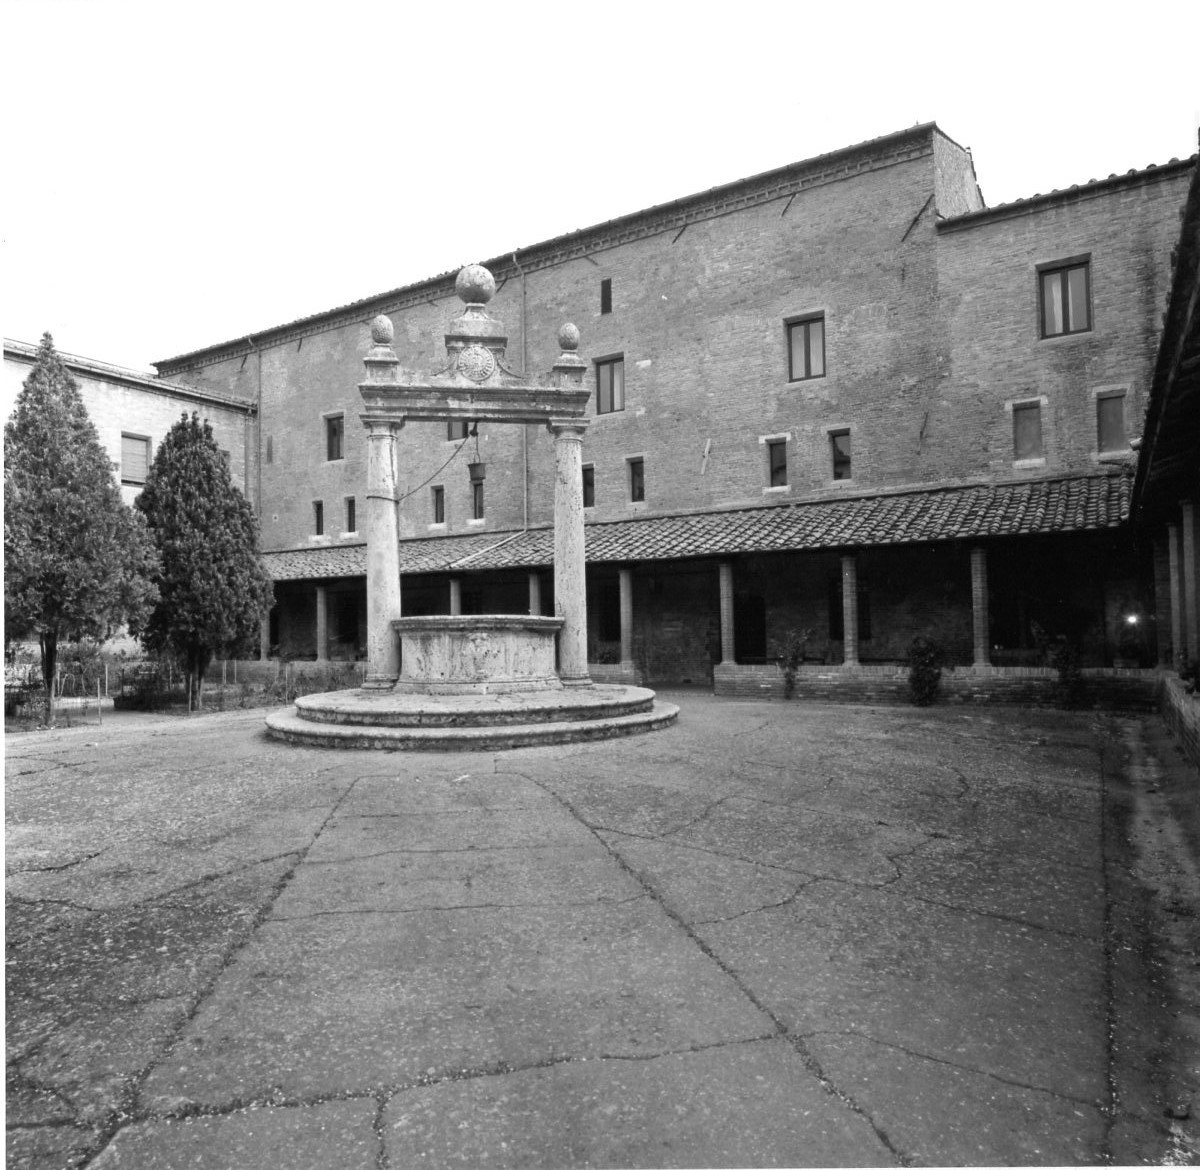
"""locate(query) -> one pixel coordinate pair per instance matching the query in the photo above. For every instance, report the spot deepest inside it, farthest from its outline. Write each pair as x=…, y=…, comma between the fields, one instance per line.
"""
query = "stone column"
x=850, y=610
x=535, y=594
x=383, y=557
x=570, y=572
x=725, y=584
x=625, y=576
x=264, y=637
x=322, y=624
x=455, y=596
x=1175, y=560
x=979, y=606
x=1188, y=550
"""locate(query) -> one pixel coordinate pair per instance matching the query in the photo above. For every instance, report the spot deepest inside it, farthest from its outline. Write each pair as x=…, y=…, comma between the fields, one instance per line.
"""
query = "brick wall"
x=1181, y=712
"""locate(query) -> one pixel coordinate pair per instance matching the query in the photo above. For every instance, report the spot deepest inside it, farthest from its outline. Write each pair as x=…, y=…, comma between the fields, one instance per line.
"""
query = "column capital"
x=568, y=428
x=382, y=428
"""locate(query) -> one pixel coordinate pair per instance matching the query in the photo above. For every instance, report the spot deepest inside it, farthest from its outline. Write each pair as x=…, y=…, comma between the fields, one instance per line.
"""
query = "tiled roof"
x=978, y=512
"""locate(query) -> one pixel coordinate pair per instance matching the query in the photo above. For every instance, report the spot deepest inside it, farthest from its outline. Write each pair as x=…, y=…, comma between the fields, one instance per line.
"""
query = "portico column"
x=625, y=577
x=383, y=556
x=322, y=624
x=264, y=637
x=979, y=606
x=725, y=584
x=535, y=594
x=850, y=610
x=1191, y=607
x=455, y=596
x=1175, y=560
x=570, y=580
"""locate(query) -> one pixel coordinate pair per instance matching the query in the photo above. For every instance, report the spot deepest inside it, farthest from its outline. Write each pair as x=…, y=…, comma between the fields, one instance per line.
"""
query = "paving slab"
x=777, y=935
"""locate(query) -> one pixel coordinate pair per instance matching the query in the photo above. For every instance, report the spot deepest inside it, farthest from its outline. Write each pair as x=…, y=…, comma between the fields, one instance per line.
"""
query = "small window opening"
x=606, y=295
x=637, y=481
x=351, y=525
x=1110, y=423
x=1027, y=431
x=777, y=462
x=477, y=500
x=589, y=486
x=318, y=517
x=334, y=435
x=438, y=495
x=839, y=445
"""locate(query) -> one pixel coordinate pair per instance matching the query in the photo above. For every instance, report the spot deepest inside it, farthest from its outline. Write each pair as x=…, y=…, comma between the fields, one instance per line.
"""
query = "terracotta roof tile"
x=958, y=513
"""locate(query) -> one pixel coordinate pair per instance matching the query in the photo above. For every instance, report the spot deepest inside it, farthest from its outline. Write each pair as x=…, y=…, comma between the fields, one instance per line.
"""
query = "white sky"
x=180, y=175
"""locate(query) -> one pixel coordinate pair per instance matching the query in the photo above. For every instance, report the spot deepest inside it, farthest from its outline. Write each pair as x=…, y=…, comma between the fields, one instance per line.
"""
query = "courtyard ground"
x=777, y=934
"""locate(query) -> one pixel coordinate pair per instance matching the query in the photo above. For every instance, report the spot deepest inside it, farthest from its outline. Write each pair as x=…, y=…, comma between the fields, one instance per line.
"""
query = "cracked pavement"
x=774, y=935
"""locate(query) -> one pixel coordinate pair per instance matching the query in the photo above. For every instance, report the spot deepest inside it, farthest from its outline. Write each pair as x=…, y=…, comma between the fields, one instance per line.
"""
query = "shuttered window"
x=135, y=458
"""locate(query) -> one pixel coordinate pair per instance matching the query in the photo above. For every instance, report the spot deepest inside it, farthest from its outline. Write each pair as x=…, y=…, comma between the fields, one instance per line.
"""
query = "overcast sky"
x=180, y=175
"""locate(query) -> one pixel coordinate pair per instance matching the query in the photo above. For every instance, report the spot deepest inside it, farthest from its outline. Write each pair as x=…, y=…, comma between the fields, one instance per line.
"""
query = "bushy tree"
x=78, y=562
x=213, y=588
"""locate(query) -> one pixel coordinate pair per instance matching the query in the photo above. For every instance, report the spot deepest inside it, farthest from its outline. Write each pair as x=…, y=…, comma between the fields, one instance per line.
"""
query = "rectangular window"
x=477, y=500
x=777, y=462
x=351, y=518
x=1027, y=430
x=1110, y=423
x=457, y=429
x=589, y=486
x=318, y=518
x=839, y=449
x=334, y=433
x=606, y=295
x=806, y=348
x=135, y=458
x=610, y=385
x=438, y=497
x=1066, y=299
x=637, y=481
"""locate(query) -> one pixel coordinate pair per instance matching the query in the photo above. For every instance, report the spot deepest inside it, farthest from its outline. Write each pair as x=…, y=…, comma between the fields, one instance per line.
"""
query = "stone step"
x=290, y=726
x=391, y=709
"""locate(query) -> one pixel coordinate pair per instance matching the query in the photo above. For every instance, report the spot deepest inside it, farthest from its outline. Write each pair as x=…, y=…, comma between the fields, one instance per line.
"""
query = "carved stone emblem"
x=476, y=363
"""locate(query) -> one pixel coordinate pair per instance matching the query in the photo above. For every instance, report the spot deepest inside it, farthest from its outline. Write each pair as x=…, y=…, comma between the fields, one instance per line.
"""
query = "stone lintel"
x=457, y=400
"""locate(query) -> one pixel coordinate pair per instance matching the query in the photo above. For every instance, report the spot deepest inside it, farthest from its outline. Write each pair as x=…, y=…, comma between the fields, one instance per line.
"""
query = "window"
x=1110, y=423
x=1027, y=430
x=589, y=486
x=438, y=496
x=335, y=429
x=351, y=508
x=477, y=500
x=637, y=481
x=135, y=458
x=839, y=450
x=610, y=385
x=457, y=429
x=1066, y=299
x=806, y=348
x=606, y=295
x=318, y=518
x=777, y=462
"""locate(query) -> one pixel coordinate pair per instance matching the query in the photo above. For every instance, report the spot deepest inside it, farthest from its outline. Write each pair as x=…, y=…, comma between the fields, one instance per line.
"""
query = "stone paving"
x=776, y=934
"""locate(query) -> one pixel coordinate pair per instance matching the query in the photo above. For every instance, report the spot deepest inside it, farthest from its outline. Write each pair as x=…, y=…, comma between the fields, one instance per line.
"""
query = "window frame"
x=836, y=460
x=605, y=295
x=636, y=479
x=335, y=426
x=478, y=507
x=318, y=517
x=771, y=444
x=588, y=473
x=128, y=477
x=1019, y=406
x=805, y=321
x=604, y=362
x=437, y=498
x=351, y=514
x=1107, y=394
x=1061, y=269
x=452, y=424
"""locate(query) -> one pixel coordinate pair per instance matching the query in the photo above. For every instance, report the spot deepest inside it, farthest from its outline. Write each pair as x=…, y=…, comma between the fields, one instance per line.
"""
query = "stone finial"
x=475, y=285
x=383, y=332
x=568, y=338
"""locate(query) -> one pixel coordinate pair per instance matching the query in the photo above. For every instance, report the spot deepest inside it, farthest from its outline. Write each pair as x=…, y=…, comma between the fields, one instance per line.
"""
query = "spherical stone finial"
x=568, y=337
x=475, y=285
x=383, y=332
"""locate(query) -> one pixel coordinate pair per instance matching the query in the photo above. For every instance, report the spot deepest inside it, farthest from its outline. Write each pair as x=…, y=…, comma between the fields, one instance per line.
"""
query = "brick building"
x=843, y=397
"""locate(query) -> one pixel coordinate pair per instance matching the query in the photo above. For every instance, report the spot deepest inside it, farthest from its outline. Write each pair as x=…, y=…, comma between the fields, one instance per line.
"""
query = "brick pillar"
x=570, y=566
x=383, y=557
x=850, y=609
x=322, y=624
x=979, y=607
x=1188, y=550
x=725, y=582
x=625, y=577
x=535, y=594
x=455, y=596
x=1175, y=560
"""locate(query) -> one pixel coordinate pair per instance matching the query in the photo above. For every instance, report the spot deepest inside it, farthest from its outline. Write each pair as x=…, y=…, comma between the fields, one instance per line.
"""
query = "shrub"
x=1064, y=658
x=924, y=670
x=793, y=651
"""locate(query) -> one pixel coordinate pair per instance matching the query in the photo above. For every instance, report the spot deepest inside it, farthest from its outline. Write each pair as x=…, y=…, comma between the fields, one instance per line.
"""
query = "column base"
x=583, y=681
x=380, y=682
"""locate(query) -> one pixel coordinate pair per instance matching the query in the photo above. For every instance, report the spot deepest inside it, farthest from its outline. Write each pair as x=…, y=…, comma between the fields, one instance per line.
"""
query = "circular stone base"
x=397, y=721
